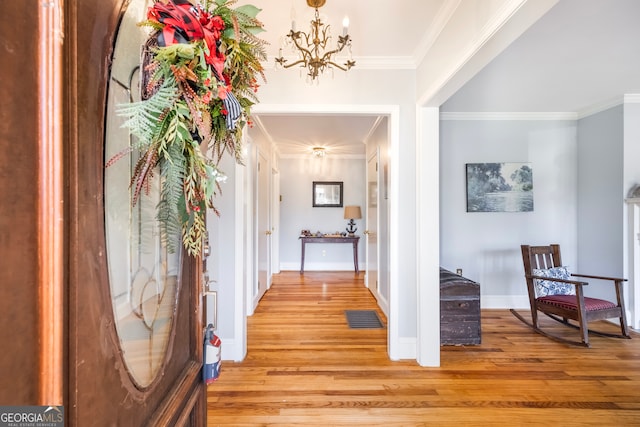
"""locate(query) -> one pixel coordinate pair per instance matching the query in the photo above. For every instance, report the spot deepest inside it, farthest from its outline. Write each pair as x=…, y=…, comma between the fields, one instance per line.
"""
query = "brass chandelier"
x=311, y=46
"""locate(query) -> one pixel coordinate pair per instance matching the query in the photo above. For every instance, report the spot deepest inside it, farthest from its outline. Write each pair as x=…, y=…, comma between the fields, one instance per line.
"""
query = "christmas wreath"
x=199, y=80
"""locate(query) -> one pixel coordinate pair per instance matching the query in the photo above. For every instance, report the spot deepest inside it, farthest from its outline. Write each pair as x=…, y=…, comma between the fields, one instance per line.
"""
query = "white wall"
x=297, y=212
x=222, y=267
x=487, y=245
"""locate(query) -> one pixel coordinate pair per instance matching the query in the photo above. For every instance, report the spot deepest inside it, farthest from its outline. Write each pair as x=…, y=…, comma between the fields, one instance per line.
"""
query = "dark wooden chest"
x=459, y=309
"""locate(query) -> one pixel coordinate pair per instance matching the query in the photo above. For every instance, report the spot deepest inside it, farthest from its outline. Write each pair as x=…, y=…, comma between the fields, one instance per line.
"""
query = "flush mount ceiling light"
x=310, y=47
x=319, y=152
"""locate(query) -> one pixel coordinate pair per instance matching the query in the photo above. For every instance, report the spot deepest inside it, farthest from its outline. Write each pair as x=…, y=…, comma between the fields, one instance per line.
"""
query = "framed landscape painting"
x=499, y=187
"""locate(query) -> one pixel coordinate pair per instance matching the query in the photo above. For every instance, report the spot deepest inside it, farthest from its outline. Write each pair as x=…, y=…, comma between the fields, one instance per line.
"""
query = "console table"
x=353, y=240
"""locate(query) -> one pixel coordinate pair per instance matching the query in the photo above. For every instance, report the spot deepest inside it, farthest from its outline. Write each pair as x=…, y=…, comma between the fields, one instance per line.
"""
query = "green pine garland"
x=181, y=128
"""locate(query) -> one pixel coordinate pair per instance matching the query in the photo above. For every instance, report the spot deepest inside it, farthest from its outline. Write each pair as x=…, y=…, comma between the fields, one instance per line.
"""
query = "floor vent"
x=363, y=319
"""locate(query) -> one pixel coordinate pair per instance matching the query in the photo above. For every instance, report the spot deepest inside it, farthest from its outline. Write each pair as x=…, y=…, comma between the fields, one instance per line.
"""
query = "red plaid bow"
x=184, y=22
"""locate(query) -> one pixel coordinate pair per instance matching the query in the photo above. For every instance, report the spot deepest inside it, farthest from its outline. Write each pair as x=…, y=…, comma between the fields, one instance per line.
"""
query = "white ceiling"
x=384, y=33
x=581, y=54
x=342, y=135
x=380, y=29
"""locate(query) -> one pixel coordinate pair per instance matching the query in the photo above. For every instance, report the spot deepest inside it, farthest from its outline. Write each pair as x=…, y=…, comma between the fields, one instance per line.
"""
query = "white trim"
x=406, y=349
x=306, y=109
x=333, y=156
x=600, y=106
x=523, y=115
x=239, y=318
x=385, y=63
x=428, y=236
x=502, y=302
x=363, y=63
x=247, y=220
x=473, y=50
x=444, y=14
x=632, y=98
x=508, y=116
x=232, y=350
x=393, y=321
x=321, y=266
x=381, y=300
x=366, y=139
x=512, y=19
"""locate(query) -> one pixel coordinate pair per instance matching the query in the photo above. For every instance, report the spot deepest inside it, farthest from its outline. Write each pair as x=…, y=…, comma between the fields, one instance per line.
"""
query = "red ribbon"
x=184, y=22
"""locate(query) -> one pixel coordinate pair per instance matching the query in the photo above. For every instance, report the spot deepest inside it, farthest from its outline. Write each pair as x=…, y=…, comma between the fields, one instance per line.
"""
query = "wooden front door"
x=134, y=309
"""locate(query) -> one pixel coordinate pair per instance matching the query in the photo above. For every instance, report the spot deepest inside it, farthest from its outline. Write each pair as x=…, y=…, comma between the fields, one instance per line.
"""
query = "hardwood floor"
x=306, y=367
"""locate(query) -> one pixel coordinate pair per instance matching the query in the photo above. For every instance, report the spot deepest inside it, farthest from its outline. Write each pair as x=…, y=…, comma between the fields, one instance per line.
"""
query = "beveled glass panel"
x=143, y=275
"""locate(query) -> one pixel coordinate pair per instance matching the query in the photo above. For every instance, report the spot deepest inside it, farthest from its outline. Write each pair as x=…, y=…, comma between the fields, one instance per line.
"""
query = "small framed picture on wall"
x=327, y=194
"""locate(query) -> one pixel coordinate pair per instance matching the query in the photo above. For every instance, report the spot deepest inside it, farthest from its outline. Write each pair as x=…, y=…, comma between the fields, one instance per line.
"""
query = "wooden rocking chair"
x=552, y=292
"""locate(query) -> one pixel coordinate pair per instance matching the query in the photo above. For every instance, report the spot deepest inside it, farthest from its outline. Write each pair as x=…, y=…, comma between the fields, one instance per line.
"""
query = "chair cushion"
x=549, y=287
x=570, y=302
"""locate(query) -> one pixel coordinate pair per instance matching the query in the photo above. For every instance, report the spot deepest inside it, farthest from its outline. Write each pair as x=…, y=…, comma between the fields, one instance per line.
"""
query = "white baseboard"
x=405, y=348
x=319, y=266
x=231, y=350
x=504, y=301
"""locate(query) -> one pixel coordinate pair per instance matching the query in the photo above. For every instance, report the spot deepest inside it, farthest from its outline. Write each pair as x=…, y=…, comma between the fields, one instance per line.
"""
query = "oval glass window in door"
x=143, y=274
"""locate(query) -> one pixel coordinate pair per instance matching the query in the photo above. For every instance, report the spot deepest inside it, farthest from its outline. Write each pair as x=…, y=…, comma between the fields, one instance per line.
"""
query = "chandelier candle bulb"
x=345, y=26
x=293, y=19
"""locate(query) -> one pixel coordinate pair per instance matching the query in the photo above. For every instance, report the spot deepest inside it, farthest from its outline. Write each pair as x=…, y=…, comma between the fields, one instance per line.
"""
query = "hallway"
x=306, y=367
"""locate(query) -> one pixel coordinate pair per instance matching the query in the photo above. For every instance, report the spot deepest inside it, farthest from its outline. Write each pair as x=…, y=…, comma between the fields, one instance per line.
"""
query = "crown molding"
x=385, y=63
x=308, y=156
x=632, y=98
x=365, y=62
x=600, y=106
x=372, y=130
x=508, y=116
x=440, y=21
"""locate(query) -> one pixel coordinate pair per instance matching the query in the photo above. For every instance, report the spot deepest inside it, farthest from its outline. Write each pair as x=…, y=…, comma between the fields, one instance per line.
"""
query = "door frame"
x=394, y=342
x=266, y=168
x=375, y=156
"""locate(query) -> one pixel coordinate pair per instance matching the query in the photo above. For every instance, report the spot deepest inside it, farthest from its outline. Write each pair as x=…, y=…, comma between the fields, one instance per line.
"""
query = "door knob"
x=268, y=233
x=366, y=231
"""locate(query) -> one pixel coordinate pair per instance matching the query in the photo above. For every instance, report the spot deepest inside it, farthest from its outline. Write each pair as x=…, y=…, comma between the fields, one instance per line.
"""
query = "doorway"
x=391, y=135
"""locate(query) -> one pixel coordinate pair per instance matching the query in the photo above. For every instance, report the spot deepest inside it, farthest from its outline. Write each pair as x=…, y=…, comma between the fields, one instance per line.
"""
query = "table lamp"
x=351, y=213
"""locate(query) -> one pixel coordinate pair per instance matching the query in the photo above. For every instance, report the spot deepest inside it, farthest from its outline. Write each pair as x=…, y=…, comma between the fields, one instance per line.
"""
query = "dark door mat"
x=363, y=319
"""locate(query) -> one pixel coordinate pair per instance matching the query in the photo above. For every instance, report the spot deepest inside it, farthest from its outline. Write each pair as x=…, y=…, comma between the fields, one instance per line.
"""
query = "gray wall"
x=297, y=212
x=487, y=245
x=600, y=197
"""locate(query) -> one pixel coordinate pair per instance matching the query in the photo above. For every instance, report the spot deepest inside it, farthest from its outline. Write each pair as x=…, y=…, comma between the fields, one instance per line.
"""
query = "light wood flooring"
x=306, y=367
